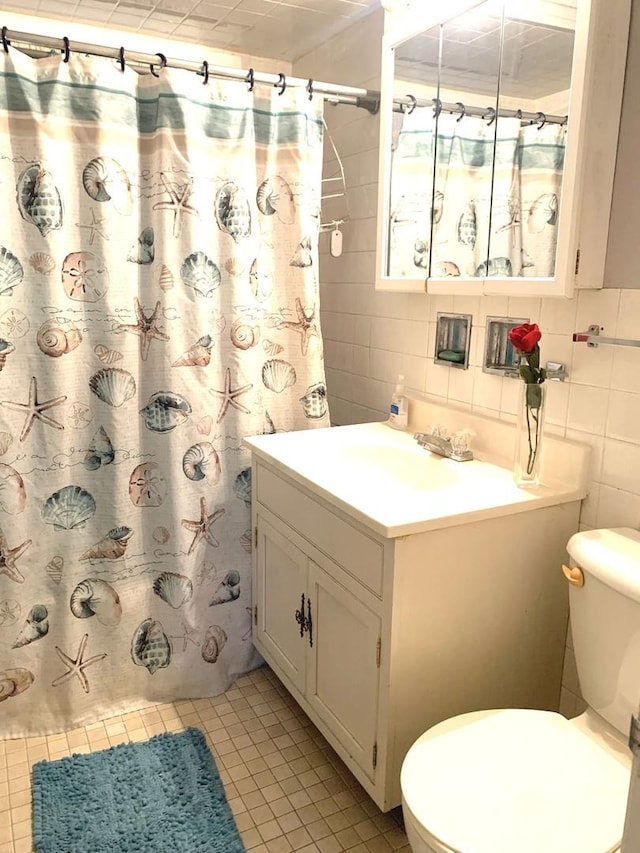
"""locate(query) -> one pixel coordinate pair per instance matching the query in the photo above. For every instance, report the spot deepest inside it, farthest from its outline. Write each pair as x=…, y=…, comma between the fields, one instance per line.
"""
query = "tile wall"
x=371, y=337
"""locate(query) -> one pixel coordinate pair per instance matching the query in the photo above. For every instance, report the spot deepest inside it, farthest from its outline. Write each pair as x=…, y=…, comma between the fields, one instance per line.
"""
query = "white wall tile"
x=596, y=443
x=558, y=316
x=617, y=508
x=519, y=306
x=487, y=390
x=628, y=326
x=461, y=384
x=625, y=366
x=621, y=464
x=623, y=419
x=439, y=304
x=467, y=305
x=511, y=397
x=587, y=408
x=403, y=336
x=436, y=379
x=493, y=306
x=557, y=404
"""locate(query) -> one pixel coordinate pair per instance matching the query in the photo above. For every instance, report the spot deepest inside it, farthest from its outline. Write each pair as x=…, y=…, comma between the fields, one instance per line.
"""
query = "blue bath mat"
x=161, y=796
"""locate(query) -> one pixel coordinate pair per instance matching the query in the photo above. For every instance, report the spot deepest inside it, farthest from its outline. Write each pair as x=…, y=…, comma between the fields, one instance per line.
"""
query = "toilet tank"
x=605, y=621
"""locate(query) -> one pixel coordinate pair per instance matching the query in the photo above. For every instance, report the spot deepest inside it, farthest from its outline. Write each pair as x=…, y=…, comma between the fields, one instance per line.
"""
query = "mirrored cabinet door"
x=411, y=155
x=531, y=135
x=490, y=178
x=466, y=109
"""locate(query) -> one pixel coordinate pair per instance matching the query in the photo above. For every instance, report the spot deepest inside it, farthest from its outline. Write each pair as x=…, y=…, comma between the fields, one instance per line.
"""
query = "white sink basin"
x=390, y=464
x=385, y=479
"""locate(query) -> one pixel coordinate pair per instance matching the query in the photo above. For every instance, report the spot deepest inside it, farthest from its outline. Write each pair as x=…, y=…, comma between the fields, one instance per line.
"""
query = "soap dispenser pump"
x=399, y=408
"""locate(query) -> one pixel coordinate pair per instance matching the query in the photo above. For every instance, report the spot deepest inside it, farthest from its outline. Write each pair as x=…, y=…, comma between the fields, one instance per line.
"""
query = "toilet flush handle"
x=573, y=574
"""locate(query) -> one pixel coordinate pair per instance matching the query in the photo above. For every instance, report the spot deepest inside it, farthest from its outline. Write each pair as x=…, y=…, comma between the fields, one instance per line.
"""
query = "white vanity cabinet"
x=380, y=636
x=321, y=636
x=499, y=129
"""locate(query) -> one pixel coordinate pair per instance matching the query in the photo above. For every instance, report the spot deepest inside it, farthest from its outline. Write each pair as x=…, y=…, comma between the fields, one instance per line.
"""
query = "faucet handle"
x=438, y=431
x=460, y=440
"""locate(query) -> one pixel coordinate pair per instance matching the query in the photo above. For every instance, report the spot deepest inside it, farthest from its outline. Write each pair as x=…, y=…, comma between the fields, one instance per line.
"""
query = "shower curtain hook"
x=461, y=109
x=5, y=40
x=542, y=119
x=163, y=64
x=310, y=88
x=411, y=107
x=205, y=72
x=437, y=106
x=121, y=58
x=282, y=82
x=249, y=79
x=492, y=113
x=518, y=114
x=66, y=50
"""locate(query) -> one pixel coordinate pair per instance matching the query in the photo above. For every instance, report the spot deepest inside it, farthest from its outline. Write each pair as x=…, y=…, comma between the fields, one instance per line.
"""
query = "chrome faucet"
x=455, y=448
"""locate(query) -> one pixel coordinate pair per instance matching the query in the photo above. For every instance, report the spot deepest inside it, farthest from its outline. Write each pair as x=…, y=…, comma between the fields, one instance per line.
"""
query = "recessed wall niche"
x=500, y=357
x=453, y=337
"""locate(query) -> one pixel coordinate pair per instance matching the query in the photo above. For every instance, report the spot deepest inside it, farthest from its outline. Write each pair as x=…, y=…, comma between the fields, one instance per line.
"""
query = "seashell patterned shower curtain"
x=158, y=302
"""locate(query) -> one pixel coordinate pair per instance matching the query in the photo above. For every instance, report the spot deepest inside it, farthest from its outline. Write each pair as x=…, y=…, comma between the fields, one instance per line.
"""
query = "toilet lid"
x=515, y=780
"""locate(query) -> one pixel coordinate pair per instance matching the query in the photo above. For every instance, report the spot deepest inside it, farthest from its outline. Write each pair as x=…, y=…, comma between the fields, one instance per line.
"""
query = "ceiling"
x=535, y=63
x=282, y=29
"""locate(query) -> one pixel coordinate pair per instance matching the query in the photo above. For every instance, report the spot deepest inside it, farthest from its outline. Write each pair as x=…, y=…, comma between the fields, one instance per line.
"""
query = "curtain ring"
x=518, y=114
x=461, y=109
x=249, y=79
x=163, y=64
x=5, y=40
x=410, y=107
x=121, y=58
x=205, y=72
x=282, y=82
x=492, y=115
x=66, y=50
x=542, y=119
x=310, y=88
x=437, y=106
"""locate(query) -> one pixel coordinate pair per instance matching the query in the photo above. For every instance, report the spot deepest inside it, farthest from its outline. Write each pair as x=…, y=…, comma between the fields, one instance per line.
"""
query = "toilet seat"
x=514, y=780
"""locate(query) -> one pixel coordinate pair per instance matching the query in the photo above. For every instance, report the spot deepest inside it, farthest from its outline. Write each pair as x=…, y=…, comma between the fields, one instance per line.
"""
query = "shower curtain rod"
x=333, y=93
x=408, y=104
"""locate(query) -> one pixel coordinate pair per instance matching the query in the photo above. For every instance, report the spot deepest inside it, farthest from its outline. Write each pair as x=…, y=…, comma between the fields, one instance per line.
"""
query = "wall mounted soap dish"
x=453, y=337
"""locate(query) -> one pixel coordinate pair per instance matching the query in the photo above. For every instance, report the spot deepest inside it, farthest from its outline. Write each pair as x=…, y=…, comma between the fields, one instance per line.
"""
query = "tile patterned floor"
x=287, y=787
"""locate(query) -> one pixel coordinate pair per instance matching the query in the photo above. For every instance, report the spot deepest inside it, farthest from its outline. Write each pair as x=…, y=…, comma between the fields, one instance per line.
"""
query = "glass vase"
x=529, y=435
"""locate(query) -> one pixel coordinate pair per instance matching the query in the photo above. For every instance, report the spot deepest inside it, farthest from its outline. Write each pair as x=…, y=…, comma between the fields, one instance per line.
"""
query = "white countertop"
x=384, y=479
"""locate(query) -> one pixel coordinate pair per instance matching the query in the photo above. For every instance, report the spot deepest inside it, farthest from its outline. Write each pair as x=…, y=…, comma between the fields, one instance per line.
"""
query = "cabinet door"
x=343, y=676
x=280, y=581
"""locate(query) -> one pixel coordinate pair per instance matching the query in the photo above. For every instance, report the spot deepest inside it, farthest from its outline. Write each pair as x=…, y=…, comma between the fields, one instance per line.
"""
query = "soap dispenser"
x=399, y=408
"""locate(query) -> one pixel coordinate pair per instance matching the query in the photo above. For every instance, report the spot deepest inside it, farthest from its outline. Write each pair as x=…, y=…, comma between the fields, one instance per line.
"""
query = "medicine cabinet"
x=499, y=127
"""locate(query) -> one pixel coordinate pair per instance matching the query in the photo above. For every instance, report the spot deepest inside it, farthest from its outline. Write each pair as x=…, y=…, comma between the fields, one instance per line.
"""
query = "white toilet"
x=522, y=781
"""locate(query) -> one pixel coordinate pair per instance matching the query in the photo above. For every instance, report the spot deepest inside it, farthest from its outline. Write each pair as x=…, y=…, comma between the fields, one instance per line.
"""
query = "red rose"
x=525, y=337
